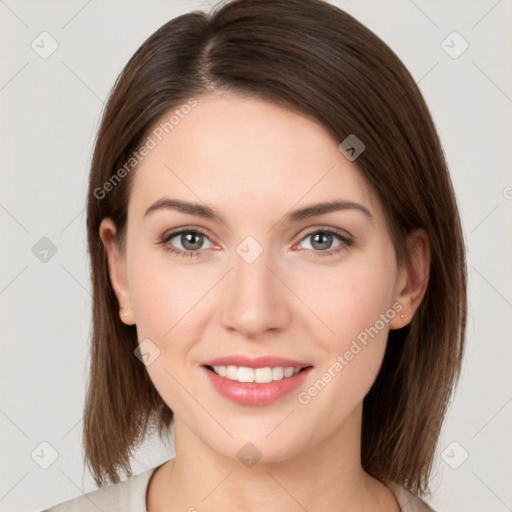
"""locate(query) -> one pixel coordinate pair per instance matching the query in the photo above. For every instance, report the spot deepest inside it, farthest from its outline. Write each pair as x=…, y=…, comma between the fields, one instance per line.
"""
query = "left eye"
x=322, y=240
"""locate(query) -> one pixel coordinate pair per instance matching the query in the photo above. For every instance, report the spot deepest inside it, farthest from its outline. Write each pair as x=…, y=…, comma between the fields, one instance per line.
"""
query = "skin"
x=254, y=162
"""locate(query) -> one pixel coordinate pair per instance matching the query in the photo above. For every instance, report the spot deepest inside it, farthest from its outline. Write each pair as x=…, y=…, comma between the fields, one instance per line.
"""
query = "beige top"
x=130, y=496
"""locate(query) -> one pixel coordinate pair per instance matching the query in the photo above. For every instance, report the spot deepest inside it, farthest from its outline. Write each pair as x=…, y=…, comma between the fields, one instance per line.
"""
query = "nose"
x=256, y=300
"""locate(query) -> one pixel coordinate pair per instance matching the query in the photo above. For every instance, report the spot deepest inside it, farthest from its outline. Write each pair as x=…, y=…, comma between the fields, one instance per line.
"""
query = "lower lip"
x=252, y=393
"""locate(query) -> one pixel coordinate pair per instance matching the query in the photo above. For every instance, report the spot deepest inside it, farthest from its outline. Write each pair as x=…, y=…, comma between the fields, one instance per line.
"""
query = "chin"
x=252, y=448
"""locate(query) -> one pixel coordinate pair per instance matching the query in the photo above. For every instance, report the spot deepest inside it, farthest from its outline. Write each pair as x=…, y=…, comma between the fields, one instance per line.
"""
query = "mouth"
x=257, y=381
x=261, y=375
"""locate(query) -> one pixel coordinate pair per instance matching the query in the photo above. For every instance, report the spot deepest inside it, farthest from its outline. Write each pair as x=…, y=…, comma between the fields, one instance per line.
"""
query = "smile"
x=255, y=381
x=259, y=375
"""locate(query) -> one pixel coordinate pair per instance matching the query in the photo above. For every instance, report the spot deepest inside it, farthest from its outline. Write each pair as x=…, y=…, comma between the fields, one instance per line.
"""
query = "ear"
x=117, y=269
x=413, y=278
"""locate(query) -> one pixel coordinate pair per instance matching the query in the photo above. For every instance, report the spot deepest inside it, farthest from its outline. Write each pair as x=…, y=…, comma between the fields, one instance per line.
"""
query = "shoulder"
x=129, y=496
x=408, y=501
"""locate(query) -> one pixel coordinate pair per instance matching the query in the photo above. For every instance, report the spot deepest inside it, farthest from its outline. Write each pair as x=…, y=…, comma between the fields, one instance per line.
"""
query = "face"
x=257, y=285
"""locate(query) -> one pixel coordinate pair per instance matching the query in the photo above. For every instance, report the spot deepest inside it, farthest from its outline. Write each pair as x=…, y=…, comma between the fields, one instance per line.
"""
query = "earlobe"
x=126, y=316
x=413, y=282
x=117, y=271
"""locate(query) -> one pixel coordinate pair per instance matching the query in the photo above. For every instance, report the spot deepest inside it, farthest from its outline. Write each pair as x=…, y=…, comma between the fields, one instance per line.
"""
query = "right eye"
x=191, y=241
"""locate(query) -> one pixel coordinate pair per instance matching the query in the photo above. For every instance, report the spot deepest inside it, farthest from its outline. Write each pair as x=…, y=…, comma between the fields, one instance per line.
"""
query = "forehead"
x=230, y=150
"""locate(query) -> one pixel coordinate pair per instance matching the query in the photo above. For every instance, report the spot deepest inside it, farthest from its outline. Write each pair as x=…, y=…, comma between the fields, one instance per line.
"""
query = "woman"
x=278, y=269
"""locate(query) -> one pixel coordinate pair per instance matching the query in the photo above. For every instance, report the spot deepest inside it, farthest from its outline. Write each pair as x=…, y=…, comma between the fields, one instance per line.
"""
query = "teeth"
x=262, y=375
x=277, y=373
x=245, y=374
x=231, y=372
x=258, y=375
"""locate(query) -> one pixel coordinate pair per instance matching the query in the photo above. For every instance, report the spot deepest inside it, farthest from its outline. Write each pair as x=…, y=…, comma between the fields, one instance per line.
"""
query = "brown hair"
x=313, y=58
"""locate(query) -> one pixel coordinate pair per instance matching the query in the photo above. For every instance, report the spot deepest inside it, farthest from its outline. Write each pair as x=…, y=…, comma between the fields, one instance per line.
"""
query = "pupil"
x=187, y=241
x=325, y=244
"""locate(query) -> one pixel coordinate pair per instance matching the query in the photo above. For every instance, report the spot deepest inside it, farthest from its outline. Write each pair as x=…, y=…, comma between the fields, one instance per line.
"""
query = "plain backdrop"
x=51, y=106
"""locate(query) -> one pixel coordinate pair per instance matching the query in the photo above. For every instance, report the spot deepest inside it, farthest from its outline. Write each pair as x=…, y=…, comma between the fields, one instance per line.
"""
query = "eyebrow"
x=294, y=216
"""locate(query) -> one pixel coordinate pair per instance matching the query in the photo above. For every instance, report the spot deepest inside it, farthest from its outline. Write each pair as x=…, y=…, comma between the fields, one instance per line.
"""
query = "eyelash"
x=346, y=243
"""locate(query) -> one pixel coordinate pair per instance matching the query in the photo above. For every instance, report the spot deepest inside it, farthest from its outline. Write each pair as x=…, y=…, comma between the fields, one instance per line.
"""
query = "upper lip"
x=255, y=362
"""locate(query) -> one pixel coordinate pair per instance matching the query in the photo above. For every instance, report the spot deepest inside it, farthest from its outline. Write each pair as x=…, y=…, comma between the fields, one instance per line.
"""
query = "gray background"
x=50, y=112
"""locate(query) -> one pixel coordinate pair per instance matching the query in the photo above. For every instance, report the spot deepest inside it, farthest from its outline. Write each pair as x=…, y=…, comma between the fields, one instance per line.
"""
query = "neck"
x=326, y=476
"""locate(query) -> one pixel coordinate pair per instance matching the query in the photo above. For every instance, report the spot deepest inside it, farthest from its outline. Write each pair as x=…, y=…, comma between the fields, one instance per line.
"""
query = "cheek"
x=354, y=301
x=351, y=298
x=170, y=304
x=163, y=303
x=163, y=297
